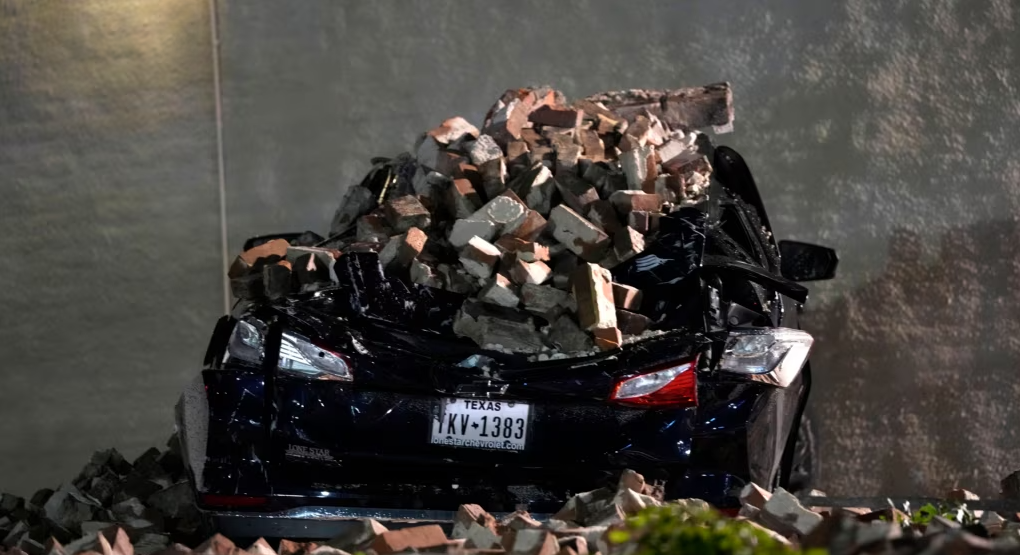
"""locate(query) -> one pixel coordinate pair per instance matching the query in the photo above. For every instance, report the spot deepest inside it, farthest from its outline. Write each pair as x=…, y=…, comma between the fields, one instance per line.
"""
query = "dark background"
x=887, y=130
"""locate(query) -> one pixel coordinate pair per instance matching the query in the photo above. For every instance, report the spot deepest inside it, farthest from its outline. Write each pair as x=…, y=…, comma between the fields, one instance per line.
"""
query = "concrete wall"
x=884, y=129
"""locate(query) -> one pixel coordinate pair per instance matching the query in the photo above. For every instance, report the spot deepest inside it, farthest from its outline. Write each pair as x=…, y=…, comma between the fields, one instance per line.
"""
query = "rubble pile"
x=118, y=508
x=526, y=215
x=147, y=503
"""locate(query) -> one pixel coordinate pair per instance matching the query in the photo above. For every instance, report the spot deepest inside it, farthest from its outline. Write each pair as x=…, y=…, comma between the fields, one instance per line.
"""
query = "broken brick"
x=530, y=227
x=423, y=274
x=509, y=243
x=566, y=159
x=479, y=257
x=628, y=243
x=531, y=251
x=453, y=130
x=517, y=153
x=402, y=249
x=568, y=336
x=577, y=234
x=508, y=120
x=466, y=228
x=543, y=300
x=509, y=334
x=607, y=339
x=276, y=248
x=593, y=292
x=688, y=108
x=506, y=212
x=535, y=185
x=593, y=147
x=556, y=117
x=576, y=192
x=530, y=272
x=357, y=201
x=448, y=163
x=406, y=212
x=635, y=164
x=469, y=172
x=483, y=150
x=493, y=177
x=644, y=222
x=670, y=150
x=462, y=199
x=373, y=227
x=276, y=279
x=627, y=297
x=631, y=323
x=499, y=291
x=602, y=215
x=416, y=538
x=688, y=161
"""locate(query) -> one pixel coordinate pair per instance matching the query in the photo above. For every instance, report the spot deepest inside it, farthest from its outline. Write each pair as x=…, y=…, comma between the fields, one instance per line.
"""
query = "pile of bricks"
x=585, y=525
x=526, y=216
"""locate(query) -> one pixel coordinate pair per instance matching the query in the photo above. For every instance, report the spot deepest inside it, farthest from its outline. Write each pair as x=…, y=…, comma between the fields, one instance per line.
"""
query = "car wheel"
x=804, y=465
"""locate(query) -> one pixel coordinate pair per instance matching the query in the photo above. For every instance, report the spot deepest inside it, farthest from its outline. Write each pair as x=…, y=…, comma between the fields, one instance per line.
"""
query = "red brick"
x=418, y=537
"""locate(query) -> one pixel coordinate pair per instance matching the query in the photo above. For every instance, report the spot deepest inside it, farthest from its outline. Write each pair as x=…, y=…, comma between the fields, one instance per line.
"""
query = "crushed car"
x=513, y=315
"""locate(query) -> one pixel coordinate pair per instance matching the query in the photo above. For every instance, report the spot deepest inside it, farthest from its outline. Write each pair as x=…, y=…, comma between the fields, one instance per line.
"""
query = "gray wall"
x=884, y=129
x=109, y=222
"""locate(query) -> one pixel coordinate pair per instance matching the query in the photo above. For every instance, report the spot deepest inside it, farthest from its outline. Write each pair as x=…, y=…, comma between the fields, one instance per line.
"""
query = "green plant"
x=679, y=530
x=952, y=511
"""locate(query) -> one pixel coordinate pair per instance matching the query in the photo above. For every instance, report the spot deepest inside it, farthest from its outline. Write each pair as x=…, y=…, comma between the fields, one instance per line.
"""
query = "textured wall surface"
x=884, y=129
x=109, y=225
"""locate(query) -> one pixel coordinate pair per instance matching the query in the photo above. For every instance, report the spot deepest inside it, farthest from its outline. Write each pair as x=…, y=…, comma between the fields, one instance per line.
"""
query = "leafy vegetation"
x=679, y=529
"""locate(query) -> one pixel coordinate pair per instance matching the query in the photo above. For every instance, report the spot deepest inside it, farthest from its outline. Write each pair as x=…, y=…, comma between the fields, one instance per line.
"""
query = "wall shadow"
x=917, y=371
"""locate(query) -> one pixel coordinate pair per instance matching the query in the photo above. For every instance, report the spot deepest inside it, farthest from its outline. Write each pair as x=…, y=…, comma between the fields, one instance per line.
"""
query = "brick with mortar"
x=593, y=292
x=479, y=257
x=578, y=234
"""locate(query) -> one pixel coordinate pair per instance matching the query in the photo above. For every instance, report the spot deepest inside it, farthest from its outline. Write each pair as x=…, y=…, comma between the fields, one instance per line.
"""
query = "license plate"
x=481, y=424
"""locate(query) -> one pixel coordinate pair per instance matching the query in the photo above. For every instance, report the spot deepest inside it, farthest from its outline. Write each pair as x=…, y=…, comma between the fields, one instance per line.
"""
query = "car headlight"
x=770, y=355
x=301, y=357
x=247, y=342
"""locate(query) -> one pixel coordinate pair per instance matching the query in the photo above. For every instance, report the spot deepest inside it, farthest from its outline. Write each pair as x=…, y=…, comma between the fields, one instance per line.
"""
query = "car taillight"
x=674, y=386
x=301, y=357
x=770, y=355
x=210, y=500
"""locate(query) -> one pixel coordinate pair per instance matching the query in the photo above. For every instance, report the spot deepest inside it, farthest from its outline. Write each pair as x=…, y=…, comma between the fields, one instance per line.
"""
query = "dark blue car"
x=358, y=400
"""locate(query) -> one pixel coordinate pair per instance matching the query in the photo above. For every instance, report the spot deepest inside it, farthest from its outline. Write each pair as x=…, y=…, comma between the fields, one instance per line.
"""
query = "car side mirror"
x=807, y=262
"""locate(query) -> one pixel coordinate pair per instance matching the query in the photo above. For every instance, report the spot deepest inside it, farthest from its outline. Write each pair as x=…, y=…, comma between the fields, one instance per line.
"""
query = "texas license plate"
x=481, y=424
